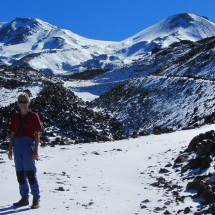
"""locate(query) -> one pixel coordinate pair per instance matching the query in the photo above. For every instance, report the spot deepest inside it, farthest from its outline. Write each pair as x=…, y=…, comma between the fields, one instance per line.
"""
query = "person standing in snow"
x=24, y=142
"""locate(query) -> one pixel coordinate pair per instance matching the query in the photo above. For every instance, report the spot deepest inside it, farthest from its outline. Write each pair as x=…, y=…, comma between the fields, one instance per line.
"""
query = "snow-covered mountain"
x=174, y=29
x=44, y=46
x=47, y=48
x=185, y=58
x=159, y=79
x=176, y=95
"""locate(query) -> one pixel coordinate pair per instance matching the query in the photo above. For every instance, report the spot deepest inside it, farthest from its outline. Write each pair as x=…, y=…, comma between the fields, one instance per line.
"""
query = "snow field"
x=109, y=178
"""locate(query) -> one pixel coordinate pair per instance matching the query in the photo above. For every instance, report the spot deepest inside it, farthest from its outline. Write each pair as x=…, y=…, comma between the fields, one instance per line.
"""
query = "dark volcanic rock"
x=200, y=159
x=62, y=113
x=61, y=109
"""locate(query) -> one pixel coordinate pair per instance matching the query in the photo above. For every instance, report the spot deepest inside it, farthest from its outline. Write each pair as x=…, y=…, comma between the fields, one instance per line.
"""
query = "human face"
x=23, y=104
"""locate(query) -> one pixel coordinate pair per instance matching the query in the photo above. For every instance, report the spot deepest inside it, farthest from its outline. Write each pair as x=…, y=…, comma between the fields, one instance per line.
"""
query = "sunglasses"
x=22, y=102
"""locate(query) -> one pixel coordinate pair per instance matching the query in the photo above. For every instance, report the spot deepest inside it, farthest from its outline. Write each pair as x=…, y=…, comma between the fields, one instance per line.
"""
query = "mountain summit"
x=22, y=30
x=184, y=26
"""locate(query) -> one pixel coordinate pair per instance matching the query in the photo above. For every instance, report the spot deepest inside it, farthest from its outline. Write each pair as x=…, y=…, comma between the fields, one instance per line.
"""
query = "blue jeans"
x=25, y=167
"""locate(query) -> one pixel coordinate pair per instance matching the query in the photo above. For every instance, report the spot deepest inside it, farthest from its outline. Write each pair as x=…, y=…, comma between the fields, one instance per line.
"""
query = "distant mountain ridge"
x=47, y=48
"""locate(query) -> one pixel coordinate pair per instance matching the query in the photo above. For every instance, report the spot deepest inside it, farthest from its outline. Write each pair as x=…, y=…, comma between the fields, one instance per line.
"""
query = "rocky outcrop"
x=69, y=116
x=67, y=119
x=195, y=180
x=196, y=164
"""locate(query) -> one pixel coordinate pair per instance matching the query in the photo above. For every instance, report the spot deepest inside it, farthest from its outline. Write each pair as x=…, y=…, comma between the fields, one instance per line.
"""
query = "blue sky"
x=104, y=19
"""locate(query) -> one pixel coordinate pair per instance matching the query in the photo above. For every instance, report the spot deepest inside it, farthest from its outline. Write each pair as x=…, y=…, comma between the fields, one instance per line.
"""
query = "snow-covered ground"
x=8, y=96
x=110, y=178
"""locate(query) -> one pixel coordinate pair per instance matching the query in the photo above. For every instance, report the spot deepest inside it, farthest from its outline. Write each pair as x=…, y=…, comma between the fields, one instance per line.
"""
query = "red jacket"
x=31, y=123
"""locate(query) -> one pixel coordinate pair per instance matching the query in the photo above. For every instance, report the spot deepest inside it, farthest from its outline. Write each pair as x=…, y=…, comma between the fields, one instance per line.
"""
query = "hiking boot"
x=21, y=203
x=35, y=204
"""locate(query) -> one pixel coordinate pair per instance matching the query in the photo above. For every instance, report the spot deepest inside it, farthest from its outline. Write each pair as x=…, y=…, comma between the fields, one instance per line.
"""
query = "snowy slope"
x=154, y=103
x=175, y=28
x=181, y=59
x=105, y=178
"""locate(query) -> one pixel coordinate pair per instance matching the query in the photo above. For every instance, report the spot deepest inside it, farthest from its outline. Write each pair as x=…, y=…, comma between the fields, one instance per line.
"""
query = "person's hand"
x=35, y=155
x=10, y=155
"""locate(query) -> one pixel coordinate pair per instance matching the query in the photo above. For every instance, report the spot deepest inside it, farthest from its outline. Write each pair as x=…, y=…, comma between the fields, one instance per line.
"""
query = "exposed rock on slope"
x=198, y=61
x=181, y=59
x=160, y=104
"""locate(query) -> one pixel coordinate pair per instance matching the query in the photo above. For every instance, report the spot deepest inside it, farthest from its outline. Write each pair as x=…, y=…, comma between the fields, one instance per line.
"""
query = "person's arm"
x=37, y=142
x=10, y=153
